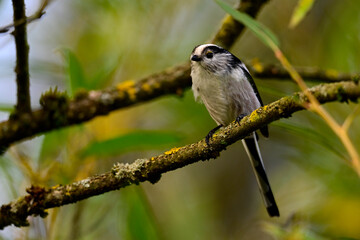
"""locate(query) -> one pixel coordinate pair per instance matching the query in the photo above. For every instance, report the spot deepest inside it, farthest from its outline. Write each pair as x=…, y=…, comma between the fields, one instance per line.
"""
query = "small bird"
x=224, y=85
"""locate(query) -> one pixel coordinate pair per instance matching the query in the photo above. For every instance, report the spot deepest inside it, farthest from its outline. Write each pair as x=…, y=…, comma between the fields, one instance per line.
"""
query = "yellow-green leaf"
x=261, y=31
x=76, y=76
x=300, y=11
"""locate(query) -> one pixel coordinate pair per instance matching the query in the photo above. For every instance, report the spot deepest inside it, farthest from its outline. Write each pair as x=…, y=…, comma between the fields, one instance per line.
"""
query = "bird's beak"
x=195, y=58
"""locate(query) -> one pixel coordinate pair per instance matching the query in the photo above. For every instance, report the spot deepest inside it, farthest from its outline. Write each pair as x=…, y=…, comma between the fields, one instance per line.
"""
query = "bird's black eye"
x=209, y=54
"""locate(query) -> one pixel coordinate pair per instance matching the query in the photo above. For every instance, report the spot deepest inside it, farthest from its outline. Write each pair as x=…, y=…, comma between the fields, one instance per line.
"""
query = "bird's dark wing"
x=264, y=130
x=234, y=62
x=253, y=85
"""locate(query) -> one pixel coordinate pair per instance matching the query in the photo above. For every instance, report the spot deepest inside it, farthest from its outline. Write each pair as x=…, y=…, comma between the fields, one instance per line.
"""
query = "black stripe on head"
x=215, y=49
x=233, y=62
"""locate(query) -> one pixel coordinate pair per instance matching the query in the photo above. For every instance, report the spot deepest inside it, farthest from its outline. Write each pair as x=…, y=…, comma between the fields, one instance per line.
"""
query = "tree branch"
x=309, y=73
x=121, y=175
x=87, y=106
x=22, y=59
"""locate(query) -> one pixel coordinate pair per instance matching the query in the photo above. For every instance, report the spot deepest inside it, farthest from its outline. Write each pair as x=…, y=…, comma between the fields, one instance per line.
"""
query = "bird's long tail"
x=253, y=151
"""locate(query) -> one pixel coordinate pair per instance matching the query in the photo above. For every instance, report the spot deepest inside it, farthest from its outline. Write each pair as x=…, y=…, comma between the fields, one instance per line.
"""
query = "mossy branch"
x=121, y=175
x=88, y=105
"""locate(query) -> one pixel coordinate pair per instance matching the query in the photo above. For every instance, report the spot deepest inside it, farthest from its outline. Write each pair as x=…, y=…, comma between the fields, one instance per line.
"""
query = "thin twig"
x=316, y=107
x=37, y=15
x=350, y=119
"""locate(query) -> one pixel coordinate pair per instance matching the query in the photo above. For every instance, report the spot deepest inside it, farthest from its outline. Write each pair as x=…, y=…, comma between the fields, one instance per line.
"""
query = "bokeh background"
x=95, y=44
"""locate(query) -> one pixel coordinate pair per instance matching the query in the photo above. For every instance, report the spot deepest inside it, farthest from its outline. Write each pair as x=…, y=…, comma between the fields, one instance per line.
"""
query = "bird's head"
x=213, y=58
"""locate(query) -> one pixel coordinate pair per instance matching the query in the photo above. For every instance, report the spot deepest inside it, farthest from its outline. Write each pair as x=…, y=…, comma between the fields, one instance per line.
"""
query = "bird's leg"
x=238, y=119
x=211, y=133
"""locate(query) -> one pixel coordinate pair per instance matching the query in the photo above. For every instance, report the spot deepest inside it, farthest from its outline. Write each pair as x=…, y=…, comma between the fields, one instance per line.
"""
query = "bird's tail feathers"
x=253, y=151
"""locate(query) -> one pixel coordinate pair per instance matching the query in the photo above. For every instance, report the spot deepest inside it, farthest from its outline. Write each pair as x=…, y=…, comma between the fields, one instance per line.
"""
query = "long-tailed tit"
x=223, y=83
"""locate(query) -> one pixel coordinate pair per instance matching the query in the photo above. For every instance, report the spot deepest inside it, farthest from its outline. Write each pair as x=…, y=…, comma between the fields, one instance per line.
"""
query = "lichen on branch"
x=121, y=175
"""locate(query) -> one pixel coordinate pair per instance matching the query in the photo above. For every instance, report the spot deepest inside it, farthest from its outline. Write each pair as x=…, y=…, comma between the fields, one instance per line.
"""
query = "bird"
x=224, y=85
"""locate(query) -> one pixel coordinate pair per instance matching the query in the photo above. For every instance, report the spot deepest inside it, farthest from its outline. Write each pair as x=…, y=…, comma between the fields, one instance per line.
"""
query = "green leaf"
x=261, y=31
x=137, y=140
x=6, y=108
x=300, y=11
x=76, y=76
x=53, y=143
x=103, y=76
x=141, y=222
x=8, y=173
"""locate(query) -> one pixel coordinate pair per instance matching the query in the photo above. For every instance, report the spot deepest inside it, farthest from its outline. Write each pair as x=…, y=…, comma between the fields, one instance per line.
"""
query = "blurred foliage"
x=76, y=76
x=105, y=42
x=6, y=107
x=132, y=141
x=260, y=30
x=302, y=8
x=330, y=144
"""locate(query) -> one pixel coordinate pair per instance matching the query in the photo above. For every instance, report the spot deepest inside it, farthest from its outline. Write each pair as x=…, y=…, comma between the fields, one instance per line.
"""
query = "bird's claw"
x=210, y=134
x=208, y=137
x=238, y=119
